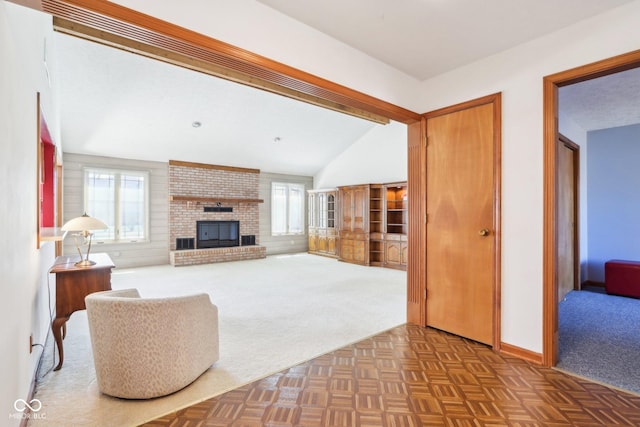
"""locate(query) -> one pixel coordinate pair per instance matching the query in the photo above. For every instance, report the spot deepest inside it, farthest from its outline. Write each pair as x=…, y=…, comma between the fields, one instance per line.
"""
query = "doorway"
x=552, y=196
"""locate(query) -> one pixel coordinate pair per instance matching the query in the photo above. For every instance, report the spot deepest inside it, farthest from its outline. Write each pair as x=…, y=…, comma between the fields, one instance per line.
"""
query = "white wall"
x=156, y=251
x=518, y=73
x=23, y=267
x=280, y=244
x=379, y=156
x=265, y=31
x=124, y=255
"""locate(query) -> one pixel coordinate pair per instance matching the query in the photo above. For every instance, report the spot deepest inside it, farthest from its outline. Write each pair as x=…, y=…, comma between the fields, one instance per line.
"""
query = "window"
x=287, y=208
x=120, y=200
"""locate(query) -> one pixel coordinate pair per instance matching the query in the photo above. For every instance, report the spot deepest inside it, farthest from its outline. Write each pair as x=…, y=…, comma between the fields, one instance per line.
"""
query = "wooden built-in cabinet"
x=322, y=222
x=372, y=224
x=353, y=224
x=396, y=225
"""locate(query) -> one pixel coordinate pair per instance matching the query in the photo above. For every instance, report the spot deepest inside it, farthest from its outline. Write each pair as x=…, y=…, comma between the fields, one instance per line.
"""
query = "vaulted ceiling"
x=118, y=104
x=425, y=38
x=115, y=103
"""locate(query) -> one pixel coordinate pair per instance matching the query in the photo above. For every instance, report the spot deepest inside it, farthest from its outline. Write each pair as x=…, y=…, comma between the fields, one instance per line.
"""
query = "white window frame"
x=288, y=221
x=118, y=173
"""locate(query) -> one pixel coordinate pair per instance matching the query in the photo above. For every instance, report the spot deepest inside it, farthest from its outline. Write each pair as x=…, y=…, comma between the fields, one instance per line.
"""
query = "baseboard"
x=27, y=415
x=521, y=353
x=593, y=283
x=32, y=389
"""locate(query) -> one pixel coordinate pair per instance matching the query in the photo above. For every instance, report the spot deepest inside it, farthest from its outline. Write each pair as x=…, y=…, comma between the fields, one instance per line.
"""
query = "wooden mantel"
x=212, y=199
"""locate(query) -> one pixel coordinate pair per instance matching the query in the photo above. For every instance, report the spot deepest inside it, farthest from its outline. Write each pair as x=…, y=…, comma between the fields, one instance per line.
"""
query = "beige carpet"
x=274, y=313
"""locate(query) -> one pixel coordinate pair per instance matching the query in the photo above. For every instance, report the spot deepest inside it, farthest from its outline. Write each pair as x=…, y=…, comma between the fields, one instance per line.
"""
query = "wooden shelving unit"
x=396, y=226
x=396, y=215
x=372, y=222
x=376, y=225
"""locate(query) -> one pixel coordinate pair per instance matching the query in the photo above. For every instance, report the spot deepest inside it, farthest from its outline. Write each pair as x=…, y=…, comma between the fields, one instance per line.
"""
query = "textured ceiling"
x=605, y=102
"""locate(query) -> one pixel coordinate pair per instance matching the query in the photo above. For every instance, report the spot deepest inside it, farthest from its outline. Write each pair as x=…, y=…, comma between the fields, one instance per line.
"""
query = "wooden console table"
x=72, y=285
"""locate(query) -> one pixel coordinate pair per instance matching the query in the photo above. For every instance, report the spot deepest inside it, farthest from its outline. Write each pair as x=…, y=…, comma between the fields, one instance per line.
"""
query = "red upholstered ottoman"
x=622, y=278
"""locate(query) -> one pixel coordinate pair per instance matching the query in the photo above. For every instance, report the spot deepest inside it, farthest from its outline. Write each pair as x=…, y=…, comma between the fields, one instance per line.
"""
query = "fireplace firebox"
x=217, y=234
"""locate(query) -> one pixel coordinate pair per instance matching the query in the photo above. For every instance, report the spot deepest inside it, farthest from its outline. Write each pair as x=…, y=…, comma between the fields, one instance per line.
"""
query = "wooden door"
x=360, y=209
x=461, y=227
x=346, y=209
x=354, y=224
x=568, y=158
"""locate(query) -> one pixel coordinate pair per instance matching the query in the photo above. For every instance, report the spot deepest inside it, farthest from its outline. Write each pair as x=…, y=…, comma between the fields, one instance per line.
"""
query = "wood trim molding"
x=551, y=84
x=417, y=233
x=593, y=283
x=213, y=199
x=39, y=171
x=596, y=69
x=208, y=166
x=550, y=246
x=488, y=99
x=496, y=99
x=118, y=26
x=521, y=353
x=575, y=148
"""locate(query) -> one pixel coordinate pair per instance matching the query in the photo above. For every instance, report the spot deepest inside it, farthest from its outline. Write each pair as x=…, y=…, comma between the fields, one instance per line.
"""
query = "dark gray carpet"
x=600, y=338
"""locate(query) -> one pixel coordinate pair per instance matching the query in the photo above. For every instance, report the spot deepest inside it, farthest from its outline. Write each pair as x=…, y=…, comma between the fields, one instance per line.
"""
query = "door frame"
x=416, y=279
x=575, y=149
x=551, y=84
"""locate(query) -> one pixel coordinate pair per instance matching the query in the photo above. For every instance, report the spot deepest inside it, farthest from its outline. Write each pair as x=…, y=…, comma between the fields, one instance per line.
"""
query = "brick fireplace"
x=203, y=192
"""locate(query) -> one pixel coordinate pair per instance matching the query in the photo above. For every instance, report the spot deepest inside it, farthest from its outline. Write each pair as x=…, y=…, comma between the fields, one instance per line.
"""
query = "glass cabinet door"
x=331, y=210
x=322, y=210
x=313, y=210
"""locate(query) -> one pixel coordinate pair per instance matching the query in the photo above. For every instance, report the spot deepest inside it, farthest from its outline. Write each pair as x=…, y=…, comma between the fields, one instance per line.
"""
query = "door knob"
x=484, y=232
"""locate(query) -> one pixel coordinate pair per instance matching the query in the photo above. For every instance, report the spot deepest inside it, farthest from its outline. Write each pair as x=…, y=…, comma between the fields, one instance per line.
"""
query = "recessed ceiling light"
x=196, y=124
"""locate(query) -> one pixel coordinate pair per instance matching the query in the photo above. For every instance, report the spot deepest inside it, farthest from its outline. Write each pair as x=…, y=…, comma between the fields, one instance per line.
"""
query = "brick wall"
x=207, y=256
x=199, y=180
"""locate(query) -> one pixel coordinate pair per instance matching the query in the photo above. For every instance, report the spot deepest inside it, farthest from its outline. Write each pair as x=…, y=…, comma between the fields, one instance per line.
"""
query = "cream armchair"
x=150, y=347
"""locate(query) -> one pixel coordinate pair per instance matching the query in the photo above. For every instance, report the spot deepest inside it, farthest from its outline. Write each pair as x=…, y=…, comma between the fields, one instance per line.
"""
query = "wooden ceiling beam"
x=124, y=28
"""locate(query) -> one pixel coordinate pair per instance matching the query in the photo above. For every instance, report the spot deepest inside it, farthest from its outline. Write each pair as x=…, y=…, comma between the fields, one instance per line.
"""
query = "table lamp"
x=82, y=227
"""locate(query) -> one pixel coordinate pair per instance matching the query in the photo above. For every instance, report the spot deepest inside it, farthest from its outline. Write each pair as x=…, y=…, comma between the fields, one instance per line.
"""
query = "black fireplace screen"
x=218, y=234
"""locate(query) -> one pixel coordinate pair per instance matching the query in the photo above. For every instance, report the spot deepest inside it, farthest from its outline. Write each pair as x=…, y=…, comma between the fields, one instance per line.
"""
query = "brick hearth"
x=207, y=256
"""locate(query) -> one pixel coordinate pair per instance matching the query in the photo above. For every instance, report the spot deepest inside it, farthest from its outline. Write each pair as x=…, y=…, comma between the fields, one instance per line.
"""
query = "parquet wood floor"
x=412, y=376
